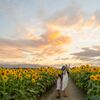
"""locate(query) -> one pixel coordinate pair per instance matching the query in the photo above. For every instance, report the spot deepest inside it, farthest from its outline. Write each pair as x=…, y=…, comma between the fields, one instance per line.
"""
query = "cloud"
x=97, y=17
x=10, y=52
x=97, y=47
x=48, y=44
x=63, y=58
x=73, y=17
x=66, y=17
x=94, y=20
x=83, y=58
x=88, y=54
x=43, y=37
x=53, y=43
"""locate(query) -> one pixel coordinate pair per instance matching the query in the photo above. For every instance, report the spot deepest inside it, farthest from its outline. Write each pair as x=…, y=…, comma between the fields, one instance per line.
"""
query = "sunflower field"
x=88, y=79
x=26, y=84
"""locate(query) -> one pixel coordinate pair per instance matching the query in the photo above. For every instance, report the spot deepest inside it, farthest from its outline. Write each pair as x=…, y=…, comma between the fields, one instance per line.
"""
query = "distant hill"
x=34, y=65
x=20, y=65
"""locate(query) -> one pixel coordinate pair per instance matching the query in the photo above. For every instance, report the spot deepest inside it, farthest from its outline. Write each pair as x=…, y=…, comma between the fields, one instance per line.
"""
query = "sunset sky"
x=50, y=31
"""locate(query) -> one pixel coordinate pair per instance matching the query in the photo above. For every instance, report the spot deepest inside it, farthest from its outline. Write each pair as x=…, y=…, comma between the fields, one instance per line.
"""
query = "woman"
x=59, y=80
x=64, y=81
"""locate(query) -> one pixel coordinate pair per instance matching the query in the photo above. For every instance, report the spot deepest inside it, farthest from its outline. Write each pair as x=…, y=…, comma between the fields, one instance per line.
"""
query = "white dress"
x=58, y=84
x=64, y=81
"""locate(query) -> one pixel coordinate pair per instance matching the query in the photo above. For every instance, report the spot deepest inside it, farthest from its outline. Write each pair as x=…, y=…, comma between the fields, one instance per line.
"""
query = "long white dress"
x=64, y=81
x=58, y=84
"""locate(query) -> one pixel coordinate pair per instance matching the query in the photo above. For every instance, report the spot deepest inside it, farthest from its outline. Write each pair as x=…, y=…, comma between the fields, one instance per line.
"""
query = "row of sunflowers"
x=87, y=78
x=26, y=84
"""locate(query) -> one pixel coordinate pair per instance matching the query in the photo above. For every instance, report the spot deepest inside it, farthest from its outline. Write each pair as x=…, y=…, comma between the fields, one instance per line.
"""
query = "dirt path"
x=72, y=91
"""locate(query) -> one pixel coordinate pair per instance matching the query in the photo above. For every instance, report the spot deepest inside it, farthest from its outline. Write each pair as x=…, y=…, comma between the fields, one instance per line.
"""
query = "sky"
x=50, y=31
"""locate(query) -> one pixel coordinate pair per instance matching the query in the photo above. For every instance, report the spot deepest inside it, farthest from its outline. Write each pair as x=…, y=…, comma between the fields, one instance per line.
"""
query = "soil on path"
x=72, y=91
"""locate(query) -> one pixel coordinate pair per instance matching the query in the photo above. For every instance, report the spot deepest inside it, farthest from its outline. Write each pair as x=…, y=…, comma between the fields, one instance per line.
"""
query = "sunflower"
x=92, y=77
x=19, y=76
x=33, y=80
x=5, y=78
x=94, y=69
x=33, y=76
x=7, y=72
x=28, y=76
x=3, y=72
x=15, y=76
x=98, y=77
x=59, y=72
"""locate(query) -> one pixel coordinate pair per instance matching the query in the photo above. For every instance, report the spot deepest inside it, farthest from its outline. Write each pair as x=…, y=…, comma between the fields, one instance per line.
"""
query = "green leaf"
x=94, y=97
x=32, y=91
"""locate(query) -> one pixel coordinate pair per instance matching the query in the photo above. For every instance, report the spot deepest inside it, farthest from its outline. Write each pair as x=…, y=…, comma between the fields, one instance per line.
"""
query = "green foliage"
x=90, y=87
x=96, y=97
x=24, y=89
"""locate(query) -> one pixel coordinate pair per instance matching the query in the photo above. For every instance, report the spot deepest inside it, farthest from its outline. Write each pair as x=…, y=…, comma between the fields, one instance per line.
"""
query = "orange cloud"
x=91, y=22
x=41, y=47
x=54, y=44
x=30, y=36
x=9, y=52
x=53, y=36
